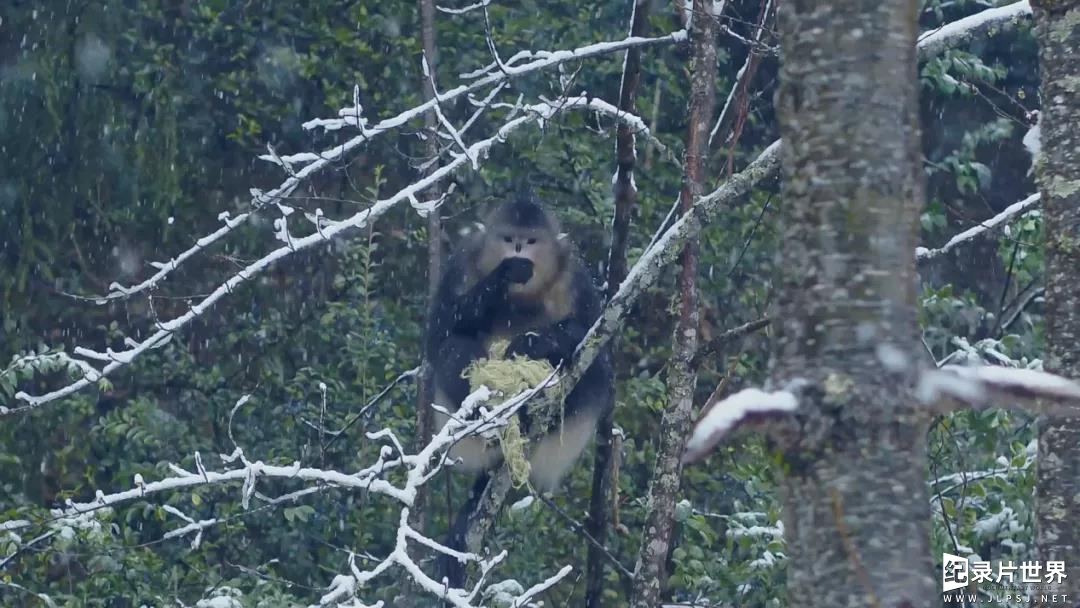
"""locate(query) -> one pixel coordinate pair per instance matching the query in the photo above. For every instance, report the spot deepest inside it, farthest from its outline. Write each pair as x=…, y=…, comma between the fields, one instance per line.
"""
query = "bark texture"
x=625, y=194
x=650, y=572
x=1057, y=28
x=424, y=415
x=855, y=501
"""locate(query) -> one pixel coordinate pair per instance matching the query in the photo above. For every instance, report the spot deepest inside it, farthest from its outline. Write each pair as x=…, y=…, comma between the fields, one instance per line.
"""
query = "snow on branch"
x=633, y=121
x=465, y=9
x=310, y=163
x=747, y=405
x=521, y=64
x=118, y=291
x=366, y=479
x=962, y=31
x=993, y=386
x=1010, y=212
x=417, y=469
x=945, y=389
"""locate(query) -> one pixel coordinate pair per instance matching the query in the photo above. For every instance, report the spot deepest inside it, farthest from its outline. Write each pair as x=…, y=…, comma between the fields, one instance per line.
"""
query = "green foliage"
x=932, y=219
x=971, y=175
x=47, y=362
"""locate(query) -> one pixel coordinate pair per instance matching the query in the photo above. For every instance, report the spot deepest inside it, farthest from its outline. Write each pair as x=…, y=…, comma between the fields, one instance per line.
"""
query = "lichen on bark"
x=1057, y=525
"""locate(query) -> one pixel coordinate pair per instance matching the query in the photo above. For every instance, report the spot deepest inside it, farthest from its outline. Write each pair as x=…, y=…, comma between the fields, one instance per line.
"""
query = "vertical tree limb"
x=650, y=571
x=625, y=195
x=737, y=104
x=424, y=415
x=1057, y=492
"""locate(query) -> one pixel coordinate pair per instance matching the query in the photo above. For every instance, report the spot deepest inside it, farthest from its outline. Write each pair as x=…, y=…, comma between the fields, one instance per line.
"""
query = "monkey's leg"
x=554, y=454
x=455, y=354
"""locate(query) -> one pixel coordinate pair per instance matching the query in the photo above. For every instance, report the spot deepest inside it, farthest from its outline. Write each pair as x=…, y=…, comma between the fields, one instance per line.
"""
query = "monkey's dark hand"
x=515, y=270
x=536, y=346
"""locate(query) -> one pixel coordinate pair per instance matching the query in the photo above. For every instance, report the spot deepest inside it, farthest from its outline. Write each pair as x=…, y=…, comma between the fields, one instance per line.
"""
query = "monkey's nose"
x=517, y=247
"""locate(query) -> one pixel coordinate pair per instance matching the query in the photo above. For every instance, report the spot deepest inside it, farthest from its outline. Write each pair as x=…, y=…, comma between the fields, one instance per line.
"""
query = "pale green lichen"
x=1038, y=166
x=506, y=376
x=1070, y=83
x=1065, y=245
x=1059, y=187
x=838, y=388
x=513, y=444
x=1061, y=29
x=509, y=377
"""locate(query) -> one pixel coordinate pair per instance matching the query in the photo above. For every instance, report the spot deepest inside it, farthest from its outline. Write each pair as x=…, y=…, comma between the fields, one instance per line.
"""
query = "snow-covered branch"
x=944, y=389
x=302, y=166
x=633, y=121
x=994, y=386
x=113, y=360
x=746, y=406
x=418, y=469
x=962, y=31
x=465, y=9
x=1012, y=211
x=369, y=478
x=520, y=64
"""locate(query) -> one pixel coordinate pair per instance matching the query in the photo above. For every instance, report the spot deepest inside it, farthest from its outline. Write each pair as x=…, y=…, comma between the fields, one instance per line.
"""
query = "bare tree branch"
x=1012, y=211
x=979, y=25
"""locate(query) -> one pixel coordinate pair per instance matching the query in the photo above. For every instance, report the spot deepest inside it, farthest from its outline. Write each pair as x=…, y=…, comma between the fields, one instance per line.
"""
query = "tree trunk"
x=650, y=572
x=625, y=194
x=424, y=418
x=1057, y=28
x=856, y=508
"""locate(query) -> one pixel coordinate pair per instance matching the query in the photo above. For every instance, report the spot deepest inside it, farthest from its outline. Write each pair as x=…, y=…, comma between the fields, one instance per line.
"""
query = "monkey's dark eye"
x=532, y=241
x=507, y=239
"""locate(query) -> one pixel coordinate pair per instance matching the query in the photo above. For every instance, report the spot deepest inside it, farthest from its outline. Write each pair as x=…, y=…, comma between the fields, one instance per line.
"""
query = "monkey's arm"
x=555, y=343
x=470, y=314
x=558, y=341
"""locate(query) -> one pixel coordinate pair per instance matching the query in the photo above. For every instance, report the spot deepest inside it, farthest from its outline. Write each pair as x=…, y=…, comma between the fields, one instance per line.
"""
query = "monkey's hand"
x=536, y=346
x=515, y=270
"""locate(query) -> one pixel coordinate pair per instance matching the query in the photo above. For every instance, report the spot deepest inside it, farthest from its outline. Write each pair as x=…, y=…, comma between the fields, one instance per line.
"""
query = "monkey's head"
x=523, y=228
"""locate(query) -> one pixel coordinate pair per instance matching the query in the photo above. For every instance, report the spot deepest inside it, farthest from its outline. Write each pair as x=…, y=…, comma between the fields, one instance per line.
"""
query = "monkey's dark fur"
x=517, y=279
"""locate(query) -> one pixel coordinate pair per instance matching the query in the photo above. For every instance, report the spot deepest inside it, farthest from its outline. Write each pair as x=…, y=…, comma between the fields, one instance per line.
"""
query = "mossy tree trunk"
x=1057, y=28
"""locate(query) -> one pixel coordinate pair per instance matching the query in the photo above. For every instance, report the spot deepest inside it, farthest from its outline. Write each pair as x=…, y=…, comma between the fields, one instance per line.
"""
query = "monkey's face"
x=539, y=247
